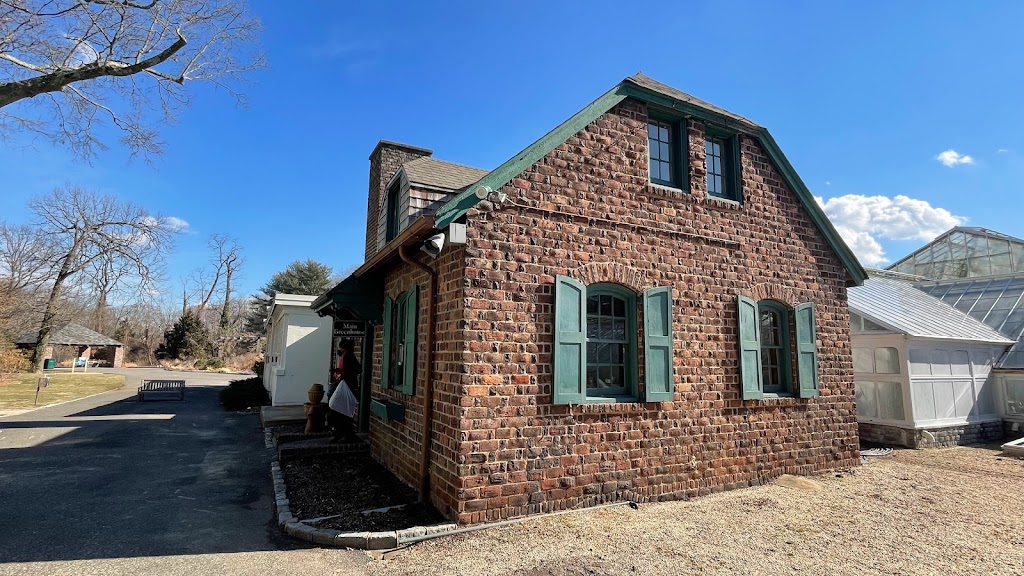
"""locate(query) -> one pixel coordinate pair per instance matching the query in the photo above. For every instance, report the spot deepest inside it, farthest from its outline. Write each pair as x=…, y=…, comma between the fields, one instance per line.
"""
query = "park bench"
x=165, y=387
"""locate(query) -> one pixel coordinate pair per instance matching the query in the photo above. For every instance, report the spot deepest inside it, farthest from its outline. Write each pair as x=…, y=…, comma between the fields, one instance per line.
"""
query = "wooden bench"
x=176, y=387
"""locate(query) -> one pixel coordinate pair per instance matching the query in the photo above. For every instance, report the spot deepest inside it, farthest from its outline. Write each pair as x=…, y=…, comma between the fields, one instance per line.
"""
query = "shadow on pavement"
x=114, y=479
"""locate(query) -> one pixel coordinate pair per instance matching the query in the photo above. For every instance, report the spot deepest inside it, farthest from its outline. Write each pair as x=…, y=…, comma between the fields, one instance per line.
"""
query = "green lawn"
x=17, y=391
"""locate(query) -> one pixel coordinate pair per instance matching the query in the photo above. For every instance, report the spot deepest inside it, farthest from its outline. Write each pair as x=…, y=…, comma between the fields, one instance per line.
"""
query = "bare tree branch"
x=89, y=230
x=62, y=61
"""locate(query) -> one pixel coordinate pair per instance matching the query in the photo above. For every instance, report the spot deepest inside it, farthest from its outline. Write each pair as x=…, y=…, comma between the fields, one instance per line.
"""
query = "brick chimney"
x=386, y=158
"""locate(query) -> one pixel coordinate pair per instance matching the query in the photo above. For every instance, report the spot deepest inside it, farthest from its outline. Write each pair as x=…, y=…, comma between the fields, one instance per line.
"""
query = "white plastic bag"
x=343, y=400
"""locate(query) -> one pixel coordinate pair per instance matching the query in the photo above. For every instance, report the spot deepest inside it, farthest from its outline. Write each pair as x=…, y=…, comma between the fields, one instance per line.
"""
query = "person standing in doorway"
x=343, y=400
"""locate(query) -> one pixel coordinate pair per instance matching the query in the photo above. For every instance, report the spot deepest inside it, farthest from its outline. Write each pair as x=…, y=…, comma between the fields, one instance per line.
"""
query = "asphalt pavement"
x=110, y=485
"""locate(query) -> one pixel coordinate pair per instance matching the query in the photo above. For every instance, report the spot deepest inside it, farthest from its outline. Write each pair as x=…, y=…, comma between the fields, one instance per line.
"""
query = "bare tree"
x=231, y=255
x=25, y=257
x=24, y=269
x=79, y=61
x=225, y=261
x=107, y=275
x=141, y=326
x=87, y=226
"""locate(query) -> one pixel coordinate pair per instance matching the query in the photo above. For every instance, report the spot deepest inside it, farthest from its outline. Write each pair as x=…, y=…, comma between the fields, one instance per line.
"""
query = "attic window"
x=663, y=152
x=722, y=157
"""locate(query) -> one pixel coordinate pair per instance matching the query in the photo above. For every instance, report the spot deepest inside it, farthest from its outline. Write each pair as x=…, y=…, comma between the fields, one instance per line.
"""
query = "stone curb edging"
x=327, y=537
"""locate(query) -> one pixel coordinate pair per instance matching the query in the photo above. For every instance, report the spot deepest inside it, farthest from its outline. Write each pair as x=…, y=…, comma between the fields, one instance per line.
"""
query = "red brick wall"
x=590, y=213
x=397, y=445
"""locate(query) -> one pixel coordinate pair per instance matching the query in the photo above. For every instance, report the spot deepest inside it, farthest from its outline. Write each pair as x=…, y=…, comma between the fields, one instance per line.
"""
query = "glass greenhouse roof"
x=965, y=252
x=996, y=301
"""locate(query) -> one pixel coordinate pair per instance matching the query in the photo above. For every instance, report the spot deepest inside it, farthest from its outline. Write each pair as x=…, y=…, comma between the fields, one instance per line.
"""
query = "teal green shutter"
x=750, y=349
x=736, y=168
x=658, y=372
x=409, y=341
x=570, y=346
x=385, y=362
x=806, y=351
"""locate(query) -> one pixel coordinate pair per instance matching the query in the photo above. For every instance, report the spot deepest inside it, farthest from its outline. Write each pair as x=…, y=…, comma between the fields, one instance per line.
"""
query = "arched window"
x=611, y=340
x=597, y=341
x=775, y=344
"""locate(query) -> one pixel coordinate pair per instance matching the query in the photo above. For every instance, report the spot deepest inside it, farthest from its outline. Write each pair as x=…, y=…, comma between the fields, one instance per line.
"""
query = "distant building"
x=77, y=341
x=965, y=252
x=922, y=368
x=951, y=387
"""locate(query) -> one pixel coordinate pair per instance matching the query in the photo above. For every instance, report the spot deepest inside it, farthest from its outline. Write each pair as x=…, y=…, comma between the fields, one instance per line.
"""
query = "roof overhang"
x=920, y=336
x=360, y=296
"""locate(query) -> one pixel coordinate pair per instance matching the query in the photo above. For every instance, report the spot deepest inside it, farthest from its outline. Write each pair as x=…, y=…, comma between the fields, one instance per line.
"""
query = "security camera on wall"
x=433, y=245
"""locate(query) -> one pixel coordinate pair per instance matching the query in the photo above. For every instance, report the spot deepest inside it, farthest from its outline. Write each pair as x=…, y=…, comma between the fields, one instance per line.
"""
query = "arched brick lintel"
x=597, y=272
x=774, y=291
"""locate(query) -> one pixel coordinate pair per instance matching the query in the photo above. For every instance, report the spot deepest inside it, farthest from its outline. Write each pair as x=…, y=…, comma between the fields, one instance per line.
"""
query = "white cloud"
x=174, y=223
x=81, y=53
x=952, y=158
x=1002, y=150
x=864, y=245
x=863, y=220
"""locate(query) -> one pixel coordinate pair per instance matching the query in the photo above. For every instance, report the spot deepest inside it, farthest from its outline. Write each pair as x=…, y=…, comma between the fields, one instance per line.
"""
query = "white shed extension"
x=922, y=368
x=298, y=349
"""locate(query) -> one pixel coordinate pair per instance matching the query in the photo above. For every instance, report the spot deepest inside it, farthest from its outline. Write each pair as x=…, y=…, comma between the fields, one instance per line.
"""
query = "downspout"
x=428, y=391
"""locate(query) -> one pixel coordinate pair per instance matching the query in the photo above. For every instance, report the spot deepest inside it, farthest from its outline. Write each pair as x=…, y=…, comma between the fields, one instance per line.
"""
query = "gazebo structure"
x=83, y=342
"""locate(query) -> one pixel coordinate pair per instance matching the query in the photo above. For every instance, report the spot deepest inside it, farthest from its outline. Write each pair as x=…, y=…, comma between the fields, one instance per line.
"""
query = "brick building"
x=646, y=304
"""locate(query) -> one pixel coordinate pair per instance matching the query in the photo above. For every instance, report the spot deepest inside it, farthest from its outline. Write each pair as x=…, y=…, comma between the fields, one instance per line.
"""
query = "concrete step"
x=270, y=415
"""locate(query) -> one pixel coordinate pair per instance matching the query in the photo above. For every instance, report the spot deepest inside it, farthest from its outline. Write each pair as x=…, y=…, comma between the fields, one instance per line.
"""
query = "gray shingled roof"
x=72, y=335
x=440, y=174
x=901, y=307
x=646, y=82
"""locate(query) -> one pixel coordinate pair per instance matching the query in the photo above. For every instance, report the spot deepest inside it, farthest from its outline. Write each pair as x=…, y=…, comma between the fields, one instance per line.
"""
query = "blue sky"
x=862, y=97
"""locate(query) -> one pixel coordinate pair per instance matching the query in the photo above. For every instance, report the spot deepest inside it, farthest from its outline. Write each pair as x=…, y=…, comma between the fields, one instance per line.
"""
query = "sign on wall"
x=349, y=329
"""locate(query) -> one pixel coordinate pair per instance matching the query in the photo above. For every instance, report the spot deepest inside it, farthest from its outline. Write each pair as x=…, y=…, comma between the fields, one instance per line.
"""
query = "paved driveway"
x=109, y=485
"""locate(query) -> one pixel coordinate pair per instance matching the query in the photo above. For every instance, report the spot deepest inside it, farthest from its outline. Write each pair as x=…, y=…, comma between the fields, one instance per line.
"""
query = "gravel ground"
x=953, y=511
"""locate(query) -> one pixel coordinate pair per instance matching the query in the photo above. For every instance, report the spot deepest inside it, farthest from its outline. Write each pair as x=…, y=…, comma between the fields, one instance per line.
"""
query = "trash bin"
x=49, y=363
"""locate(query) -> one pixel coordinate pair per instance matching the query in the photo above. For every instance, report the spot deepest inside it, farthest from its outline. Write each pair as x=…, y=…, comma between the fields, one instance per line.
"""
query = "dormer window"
x=392, y=204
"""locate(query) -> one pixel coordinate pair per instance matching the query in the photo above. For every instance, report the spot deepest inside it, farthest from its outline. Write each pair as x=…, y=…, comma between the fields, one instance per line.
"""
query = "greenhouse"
x=999, y=303
x=965, y=252
x=923, y=370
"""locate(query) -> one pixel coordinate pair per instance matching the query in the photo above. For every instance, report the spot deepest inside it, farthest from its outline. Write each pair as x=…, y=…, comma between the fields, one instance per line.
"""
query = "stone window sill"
x=663, y=190
x=616, y=405
x=723, y=203
x=611, y=400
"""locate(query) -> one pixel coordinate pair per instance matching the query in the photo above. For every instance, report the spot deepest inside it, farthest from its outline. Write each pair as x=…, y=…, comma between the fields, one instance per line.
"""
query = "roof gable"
x=643, y=88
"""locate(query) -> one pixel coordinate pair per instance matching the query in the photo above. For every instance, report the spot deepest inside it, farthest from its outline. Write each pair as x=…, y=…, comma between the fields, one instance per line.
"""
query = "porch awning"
x=354, y=298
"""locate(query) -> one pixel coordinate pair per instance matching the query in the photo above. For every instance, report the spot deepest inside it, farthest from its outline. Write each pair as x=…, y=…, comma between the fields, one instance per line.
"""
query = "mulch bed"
x=342, y=489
